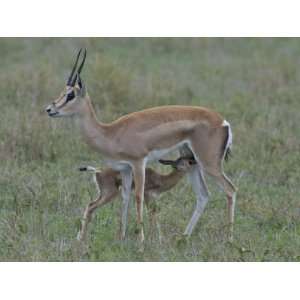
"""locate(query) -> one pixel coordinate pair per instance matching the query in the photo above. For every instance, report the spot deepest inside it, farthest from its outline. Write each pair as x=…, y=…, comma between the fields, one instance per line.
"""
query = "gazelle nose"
x=48, y=109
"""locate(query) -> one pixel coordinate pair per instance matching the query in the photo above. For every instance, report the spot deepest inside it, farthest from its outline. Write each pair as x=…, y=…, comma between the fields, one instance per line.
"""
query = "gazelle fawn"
x=134, y=139
x=108, y=182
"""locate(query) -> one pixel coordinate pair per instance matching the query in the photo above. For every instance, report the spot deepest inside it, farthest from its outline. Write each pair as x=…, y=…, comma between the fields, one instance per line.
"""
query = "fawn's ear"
x=167, y=162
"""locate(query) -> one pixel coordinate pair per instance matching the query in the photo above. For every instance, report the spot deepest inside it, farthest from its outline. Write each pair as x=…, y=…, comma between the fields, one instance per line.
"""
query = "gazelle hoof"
x=80, y=236
x=141, y=247
x=181, y=240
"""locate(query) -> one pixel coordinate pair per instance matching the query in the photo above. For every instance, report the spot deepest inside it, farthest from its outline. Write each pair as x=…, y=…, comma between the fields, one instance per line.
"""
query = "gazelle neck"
x=93, y=131
x=87, y=113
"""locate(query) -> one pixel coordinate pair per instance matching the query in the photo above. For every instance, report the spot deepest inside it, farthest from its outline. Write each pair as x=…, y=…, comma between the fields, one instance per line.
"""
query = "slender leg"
x=119, y=233
x=202, y=194
x=139, y=181
x=156, y=221
x=152, y=210
x=149, y=209
x=230, y=190
x=209, y=157
x=126, y=175
x=231, y=207
x=91, y=207
x=199, y=187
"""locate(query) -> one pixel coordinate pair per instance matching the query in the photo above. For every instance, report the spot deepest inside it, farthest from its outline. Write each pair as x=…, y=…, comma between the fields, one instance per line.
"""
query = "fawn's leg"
x=153, y=216
x=91, y=207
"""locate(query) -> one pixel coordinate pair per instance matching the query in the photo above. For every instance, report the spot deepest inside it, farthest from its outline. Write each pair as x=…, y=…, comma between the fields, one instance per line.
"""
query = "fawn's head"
x=183, y=164
x=70, y=102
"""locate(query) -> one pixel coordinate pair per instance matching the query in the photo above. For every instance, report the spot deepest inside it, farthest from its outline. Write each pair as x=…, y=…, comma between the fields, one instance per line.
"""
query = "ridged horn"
x=70, y=82
x=82, y=63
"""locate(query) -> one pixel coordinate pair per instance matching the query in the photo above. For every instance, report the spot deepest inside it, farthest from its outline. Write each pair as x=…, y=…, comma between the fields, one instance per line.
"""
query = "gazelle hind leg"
x=231, y=208
x=202, y=195
x=208, y=149
x=230, y=191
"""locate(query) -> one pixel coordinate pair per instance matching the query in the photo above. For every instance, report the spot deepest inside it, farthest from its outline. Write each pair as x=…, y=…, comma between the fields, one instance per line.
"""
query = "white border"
x=149, y=281
x=149, y=18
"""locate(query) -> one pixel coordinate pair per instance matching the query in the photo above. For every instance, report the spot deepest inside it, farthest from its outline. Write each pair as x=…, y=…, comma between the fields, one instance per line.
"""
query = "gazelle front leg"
x=202, y=194
x=126, y=176
x=139, y=181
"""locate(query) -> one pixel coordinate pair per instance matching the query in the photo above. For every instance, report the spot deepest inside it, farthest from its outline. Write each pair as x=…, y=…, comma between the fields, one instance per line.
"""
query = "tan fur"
x=132, y=139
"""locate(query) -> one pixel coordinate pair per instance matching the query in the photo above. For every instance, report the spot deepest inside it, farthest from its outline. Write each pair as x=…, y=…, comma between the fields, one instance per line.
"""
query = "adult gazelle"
x=131, y=141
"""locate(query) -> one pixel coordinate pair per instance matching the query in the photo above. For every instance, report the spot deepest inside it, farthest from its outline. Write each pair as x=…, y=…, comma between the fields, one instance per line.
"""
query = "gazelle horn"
x=73, y=70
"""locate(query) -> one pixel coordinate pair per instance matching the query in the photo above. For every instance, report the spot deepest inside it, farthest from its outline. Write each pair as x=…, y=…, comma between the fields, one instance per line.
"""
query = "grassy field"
x=254, y=83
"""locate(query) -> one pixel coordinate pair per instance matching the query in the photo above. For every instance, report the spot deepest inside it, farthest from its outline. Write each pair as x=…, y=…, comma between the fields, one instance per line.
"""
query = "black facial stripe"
x=70, y=96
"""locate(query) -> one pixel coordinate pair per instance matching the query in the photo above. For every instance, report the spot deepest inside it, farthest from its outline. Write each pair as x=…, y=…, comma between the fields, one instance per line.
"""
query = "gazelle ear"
x=81, y=85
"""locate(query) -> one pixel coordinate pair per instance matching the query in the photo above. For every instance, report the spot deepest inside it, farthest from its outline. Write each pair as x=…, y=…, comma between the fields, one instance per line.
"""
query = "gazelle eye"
x=192, y=162
x=70, y=96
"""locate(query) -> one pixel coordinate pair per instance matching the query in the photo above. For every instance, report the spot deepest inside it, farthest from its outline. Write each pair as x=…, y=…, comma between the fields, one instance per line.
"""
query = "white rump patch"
x=230, y=136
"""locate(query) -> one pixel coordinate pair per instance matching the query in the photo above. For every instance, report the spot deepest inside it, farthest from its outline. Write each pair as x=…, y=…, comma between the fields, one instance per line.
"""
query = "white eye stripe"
x=65, y=100
x=69, y=89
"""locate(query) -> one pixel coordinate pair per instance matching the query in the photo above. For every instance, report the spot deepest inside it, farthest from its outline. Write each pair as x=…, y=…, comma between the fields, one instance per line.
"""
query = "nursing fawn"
x=108, y=182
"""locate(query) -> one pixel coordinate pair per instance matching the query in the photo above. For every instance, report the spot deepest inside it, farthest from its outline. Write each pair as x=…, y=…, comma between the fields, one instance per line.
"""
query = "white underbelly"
x=117, y=165
x=157, y=154
x=152, y=156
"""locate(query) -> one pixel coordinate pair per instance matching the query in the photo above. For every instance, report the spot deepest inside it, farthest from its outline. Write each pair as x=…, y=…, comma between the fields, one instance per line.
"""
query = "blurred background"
x=252, y=82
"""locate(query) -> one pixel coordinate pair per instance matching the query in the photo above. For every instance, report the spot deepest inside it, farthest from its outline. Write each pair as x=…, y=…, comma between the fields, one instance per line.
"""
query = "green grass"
x=254, y=83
